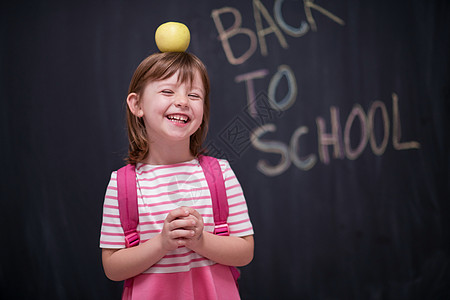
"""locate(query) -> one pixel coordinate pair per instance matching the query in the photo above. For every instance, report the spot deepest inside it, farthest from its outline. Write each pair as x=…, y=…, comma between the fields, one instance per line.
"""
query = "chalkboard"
x=333, y=115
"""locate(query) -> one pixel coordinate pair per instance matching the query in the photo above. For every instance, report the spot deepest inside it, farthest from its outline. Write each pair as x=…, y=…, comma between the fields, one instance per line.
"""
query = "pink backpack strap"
x=214, y=178
x=219, y=199
x=128, y=208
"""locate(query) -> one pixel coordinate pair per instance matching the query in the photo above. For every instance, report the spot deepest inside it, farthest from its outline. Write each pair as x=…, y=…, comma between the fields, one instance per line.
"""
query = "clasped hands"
x=182, y=227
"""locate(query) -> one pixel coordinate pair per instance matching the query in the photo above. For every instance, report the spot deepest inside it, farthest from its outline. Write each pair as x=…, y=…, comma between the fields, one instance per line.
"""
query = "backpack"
x=128, y=208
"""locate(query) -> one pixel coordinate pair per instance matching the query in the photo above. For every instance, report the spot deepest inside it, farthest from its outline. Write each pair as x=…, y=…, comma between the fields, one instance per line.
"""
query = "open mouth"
x=183, y=119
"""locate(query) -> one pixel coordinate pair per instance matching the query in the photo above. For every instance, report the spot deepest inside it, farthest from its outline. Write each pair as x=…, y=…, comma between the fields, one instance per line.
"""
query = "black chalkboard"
x=333, y=114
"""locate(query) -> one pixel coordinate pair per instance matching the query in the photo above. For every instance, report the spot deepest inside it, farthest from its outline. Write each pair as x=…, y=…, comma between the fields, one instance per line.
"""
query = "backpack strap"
x=128, y=208
x=216, y=184
x=219, y=199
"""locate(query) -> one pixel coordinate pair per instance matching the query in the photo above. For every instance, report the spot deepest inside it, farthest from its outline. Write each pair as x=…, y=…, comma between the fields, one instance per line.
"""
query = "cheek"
x=199, y=112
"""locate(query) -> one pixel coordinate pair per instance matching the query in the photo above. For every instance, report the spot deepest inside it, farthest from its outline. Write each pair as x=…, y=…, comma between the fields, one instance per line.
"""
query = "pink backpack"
x=128, y=208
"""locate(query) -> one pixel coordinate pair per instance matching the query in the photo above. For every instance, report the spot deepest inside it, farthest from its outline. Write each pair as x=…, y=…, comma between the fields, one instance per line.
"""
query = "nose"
x=181, y=101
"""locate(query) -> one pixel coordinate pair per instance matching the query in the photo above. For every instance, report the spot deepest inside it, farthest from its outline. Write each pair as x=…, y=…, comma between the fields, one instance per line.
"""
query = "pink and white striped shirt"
x=162, y=188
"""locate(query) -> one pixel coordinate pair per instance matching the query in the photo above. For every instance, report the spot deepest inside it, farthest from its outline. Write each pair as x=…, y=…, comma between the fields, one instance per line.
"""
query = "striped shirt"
x=162, y=188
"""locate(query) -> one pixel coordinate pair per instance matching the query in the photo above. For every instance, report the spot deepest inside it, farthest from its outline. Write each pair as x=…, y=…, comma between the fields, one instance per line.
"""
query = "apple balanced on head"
x=172, y=37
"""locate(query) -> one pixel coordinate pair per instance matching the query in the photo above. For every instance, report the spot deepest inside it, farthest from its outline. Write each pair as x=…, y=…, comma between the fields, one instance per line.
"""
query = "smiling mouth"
x=183, y=119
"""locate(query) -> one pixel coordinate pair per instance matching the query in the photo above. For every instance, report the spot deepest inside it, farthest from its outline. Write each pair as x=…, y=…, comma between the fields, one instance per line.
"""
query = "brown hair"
x=160, y=66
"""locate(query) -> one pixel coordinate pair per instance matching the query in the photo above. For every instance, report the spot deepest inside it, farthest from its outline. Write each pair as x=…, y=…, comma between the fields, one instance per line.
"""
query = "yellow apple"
x=172, y=37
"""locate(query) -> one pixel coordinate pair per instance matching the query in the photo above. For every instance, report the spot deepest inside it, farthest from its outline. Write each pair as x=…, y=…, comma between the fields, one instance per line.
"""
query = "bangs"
x=168, y=64
x=186, y=68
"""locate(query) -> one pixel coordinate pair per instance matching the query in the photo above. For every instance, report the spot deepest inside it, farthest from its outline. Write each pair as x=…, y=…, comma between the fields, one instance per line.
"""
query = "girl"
x=178, y=256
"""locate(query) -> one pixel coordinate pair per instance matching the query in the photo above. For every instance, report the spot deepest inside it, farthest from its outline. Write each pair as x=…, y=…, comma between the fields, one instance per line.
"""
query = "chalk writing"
x=290, y=30
x=270, y=146
x=397, y=132
x=235, y=29
x=357, y=112
x=291, y=96
x=340, y=142
x=259, y=12
x=308, y=161
x=326, y=139
x=263, y=109
x=378, y=150
x=248, y=79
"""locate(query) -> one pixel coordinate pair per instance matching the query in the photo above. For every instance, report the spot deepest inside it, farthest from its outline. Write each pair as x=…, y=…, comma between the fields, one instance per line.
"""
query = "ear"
x=134, y=105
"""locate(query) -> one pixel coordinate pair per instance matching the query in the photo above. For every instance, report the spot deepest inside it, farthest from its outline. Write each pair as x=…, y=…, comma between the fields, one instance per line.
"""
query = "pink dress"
x=206, y=283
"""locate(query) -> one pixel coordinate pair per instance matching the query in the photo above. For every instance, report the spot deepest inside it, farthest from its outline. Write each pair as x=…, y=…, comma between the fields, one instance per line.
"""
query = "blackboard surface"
x=333, y=114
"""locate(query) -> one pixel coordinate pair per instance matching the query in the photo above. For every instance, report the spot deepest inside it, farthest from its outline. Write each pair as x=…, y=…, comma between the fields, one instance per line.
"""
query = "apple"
x=172, y=37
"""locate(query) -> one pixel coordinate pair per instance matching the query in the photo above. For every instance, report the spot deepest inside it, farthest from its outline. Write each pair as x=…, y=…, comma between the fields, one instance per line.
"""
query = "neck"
x=168, y=154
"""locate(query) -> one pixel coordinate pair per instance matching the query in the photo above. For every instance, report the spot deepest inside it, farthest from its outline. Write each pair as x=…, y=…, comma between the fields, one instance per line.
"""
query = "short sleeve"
x=112, y=235
x=238, y=218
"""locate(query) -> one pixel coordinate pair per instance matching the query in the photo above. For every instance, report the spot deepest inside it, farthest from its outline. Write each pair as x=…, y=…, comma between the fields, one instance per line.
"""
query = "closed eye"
x=167, y=92
x=195, y=96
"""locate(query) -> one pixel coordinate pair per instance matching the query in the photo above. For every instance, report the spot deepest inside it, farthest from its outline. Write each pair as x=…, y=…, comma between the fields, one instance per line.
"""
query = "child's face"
x=172, y=110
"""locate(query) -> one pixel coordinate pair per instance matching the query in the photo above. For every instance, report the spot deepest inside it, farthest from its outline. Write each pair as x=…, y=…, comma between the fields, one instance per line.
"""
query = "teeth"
x=180, y=118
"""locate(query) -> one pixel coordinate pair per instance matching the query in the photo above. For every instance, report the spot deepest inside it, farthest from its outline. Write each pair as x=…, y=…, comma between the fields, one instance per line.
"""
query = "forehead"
x=176, y=80
x=192, y=80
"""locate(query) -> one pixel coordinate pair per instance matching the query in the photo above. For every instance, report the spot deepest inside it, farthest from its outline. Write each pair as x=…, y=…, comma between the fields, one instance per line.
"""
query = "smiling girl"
x=178, y=256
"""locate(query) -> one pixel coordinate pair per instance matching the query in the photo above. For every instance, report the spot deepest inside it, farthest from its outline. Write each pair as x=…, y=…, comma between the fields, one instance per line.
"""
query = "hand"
x=197, y=228
x=178, y=228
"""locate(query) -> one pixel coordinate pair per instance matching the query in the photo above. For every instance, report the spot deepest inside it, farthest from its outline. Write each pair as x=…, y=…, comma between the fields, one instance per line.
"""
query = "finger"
x=180, y=212
x=195, y=213
x=182, y=224
x=192, y=211
x=198, y=217
x=181, y=234
x=189, y=218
